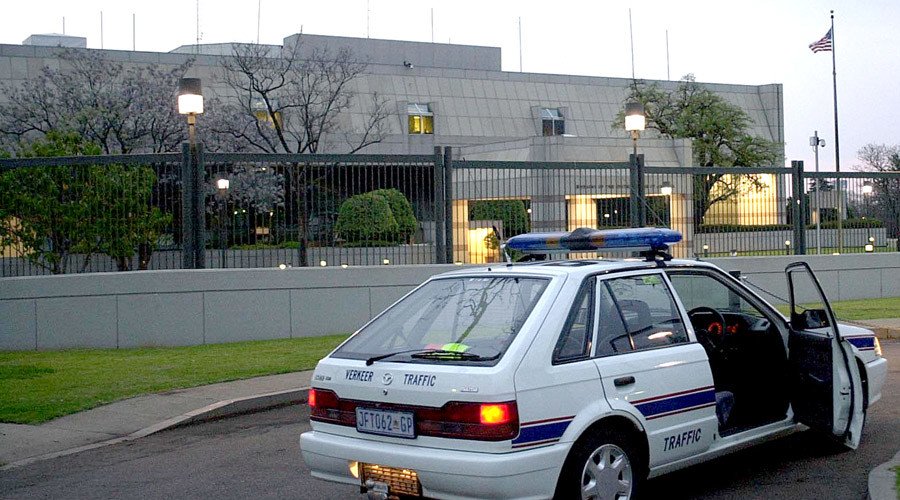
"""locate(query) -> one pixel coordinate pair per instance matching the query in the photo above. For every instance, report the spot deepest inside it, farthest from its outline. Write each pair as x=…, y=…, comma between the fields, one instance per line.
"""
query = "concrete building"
x=457, y=95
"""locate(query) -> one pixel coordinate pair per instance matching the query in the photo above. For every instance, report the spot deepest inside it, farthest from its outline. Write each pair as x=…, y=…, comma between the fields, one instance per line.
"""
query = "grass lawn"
x=39, y=386
x=861, y=309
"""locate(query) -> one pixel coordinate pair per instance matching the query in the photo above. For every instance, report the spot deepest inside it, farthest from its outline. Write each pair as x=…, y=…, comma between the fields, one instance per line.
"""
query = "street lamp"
x=787, y=247
x=222, y=186
x=190, y=103
x=635, y=122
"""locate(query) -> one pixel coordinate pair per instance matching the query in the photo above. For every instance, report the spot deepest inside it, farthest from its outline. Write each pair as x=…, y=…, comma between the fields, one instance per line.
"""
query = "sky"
x=749, y=42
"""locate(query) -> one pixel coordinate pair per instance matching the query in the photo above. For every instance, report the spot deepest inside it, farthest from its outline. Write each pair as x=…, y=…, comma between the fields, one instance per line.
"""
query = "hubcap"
x=606, y=474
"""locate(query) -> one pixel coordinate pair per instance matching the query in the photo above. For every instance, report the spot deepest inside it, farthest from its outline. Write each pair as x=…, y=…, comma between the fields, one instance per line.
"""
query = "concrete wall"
x=152, y=308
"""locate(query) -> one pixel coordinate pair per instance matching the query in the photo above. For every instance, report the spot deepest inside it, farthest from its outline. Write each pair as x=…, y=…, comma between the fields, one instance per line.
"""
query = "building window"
x=552, y=122
x=421, y=119
x=261, y=112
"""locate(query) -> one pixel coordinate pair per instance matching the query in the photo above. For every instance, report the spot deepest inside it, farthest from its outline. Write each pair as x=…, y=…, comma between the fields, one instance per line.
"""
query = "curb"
x=220, y=409
x=882, y=480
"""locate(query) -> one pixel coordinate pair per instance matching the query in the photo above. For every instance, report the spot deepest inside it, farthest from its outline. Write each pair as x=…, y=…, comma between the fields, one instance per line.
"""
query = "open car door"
x=826, y=393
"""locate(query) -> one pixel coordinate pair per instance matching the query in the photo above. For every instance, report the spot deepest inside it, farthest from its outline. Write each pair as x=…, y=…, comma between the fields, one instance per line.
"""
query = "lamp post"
x=817, y=143
x=190, y=103
x=635, y=122
x=222, y=186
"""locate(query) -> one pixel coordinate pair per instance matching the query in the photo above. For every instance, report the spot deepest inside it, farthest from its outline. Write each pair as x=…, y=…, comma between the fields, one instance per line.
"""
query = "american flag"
x=823, y=45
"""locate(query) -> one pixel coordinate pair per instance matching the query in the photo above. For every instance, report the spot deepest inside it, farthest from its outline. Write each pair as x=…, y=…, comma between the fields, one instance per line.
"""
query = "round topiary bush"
x=366, y=218
x=402, y=211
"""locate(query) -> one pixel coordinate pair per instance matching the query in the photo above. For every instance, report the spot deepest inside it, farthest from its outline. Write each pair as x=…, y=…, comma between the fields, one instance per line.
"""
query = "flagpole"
x=837, y=147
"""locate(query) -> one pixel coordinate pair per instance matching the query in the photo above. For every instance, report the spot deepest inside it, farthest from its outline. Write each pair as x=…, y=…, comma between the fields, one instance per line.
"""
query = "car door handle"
x=623, y=381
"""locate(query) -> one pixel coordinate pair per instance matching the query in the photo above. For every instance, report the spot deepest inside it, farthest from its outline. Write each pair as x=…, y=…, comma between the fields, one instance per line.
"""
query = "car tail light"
x=455, y=420
x=495, y=413
x=463, y=420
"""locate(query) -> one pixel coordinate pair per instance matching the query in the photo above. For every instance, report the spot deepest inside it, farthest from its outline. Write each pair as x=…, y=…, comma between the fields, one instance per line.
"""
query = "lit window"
x=552, y=122
x=421, y=119
x=261, y=112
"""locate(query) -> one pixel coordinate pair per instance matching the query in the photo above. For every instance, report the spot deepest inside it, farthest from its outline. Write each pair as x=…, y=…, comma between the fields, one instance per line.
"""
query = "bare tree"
x=285, y=102
x=123, y=109
x=886, y=193
x=294, y=101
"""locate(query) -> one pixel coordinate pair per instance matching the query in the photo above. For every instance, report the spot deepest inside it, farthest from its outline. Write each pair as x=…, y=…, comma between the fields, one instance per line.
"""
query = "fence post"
x=638, y=211
x=193, y=222
x=448, y=204
x=798, y=208
x=440, y=254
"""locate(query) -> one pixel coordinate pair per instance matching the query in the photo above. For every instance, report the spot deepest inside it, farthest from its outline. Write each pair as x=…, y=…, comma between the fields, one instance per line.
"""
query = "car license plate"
x=386, y=423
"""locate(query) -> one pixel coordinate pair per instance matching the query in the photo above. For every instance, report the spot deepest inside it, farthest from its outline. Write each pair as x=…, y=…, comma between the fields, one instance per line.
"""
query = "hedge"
x=511, y=212
x=737, y=228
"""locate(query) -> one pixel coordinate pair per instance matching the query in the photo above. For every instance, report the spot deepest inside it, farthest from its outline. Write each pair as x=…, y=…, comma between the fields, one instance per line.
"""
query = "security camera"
x=408, y=64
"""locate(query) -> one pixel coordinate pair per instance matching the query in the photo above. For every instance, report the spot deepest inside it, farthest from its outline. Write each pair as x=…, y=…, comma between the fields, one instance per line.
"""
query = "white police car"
x=580, y=379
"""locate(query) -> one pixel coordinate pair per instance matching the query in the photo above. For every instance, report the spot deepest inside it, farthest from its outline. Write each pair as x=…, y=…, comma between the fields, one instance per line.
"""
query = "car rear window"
x=476, y=315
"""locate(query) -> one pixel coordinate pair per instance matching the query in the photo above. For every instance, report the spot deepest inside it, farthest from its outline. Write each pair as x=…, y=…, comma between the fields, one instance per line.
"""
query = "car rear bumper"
x=876, y=371
x=443, y=473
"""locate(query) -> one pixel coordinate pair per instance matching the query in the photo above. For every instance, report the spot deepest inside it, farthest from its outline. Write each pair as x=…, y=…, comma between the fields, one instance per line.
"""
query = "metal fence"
x=216, y=210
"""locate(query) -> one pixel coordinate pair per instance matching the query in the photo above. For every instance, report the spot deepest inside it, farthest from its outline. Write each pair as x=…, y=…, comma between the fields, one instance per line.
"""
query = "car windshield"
x=478, y=316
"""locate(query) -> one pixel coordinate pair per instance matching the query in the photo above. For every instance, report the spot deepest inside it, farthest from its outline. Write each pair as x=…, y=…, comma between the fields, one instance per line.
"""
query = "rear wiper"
x=438, y=354
x=445, y=355
x=390, y=354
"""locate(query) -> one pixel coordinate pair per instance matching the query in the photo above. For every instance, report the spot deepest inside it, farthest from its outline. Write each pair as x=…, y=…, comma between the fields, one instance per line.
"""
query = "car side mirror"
x=809, y=319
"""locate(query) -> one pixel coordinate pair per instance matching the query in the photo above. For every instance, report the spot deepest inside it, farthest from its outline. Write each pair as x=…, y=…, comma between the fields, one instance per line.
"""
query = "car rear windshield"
x=477, y=316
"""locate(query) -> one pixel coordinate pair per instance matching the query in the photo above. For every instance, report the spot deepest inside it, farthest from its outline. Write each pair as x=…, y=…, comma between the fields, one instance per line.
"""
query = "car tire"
x=603, y=464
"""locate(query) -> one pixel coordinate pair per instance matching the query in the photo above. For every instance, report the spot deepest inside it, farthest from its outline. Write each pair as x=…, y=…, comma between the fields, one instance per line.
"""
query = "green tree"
x=43, y=210
x=52, y=212
x=125, y=222
x=720, y=134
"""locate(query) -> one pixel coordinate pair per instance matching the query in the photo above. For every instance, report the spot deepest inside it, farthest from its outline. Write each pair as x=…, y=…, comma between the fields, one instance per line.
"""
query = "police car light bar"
x=589, y=240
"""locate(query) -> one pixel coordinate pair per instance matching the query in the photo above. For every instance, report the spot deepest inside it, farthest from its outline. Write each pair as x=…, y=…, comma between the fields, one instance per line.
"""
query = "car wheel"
x=604, y=465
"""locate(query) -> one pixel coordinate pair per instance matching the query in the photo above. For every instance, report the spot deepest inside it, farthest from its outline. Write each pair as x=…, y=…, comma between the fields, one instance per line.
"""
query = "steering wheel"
x=715, y=339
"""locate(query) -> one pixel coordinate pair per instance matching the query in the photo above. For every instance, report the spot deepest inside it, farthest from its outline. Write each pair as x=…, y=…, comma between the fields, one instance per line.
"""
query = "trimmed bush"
x=849, y=224
x=511, y=212
x=402, y=211
x=738, y=228
x=377, y=218
x=366, y=217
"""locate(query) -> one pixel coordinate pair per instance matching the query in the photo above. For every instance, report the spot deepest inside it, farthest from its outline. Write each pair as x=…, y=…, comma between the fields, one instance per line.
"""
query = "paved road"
x=257, y=456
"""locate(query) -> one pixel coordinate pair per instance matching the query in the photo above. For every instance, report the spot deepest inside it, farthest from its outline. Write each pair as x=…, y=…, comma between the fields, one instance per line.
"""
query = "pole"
x=837, y=147
x=101, y=29
x=133, y=31
x=818, y=207
x=631, y=33
x=222, y=235
x=668, y=75
x=440, y=254
x=520, y=44
x=448, y=204
x=258, y=16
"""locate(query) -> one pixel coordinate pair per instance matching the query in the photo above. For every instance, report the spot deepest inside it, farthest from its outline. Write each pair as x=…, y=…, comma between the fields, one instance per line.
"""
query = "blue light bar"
x=586, y=239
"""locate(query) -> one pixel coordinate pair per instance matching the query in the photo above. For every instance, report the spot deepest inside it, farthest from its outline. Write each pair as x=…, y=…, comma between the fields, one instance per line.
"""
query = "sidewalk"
x=144, y=415
x=885, y=329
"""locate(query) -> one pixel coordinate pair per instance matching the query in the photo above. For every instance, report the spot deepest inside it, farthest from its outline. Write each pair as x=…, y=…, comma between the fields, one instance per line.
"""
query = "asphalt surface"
x=257, y=455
